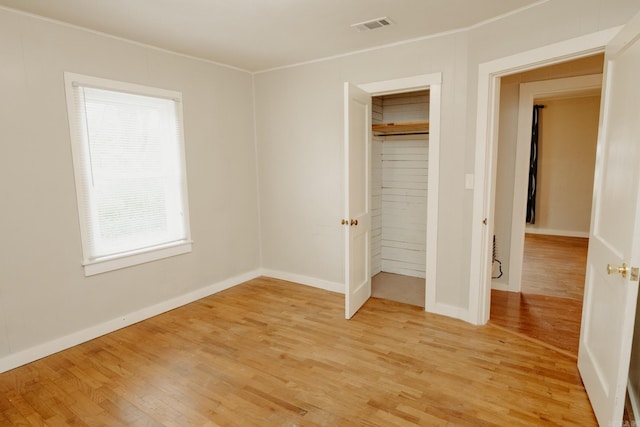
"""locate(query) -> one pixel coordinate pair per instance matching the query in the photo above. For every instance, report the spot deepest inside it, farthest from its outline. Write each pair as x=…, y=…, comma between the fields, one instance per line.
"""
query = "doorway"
x=432, y=83
x=603, y=359
x=489, y=77
x=398, y=194
x=537, y=288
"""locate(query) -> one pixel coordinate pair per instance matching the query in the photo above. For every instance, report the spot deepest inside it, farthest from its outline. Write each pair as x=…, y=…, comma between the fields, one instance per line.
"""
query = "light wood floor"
x=273, y=353
x=554, y=266
x=549, y=308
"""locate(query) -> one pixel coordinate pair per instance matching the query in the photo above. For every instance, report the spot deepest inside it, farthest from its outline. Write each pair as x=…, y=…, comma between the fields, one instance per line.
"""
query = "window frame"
x=80, y=157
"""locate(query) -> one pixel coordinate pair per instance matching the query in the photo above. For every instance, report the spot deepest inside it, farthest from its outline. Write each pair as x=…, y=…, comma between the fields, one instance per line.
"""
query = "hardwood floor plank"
x=549, y=308
x=272, y=353
x=555, y=321
x=554, y=265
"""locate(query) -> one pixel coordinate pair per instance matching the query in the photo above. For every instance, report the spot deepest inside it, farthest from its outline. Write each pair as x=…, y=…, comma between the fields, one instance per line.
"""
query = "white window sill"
x=121, y=261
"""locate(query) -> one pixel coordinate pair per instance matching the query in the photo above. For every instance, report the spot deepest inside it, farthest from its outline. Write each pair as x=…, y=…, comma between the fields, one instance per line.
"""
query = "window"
x=128, y=157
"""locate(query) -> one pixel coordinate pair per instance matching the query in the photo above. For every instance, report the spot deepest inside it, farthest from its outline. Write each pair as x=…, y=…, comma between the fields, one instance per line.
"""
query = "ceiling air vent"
x=372, y=24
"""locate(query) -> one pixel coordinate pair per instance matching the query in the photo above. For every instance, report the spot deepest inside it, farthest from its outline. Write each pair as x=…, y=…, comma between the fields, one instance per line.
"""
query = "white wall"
x=43, y=292
x=299, y=111
x=376, y=206
x=299, y=136
x=300, y=152
x=566, y=162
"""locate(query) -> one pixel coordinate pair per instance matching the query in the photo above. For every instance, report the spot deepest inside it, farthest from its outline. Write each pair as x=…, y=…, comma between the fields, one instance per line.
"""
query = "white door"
x=357, y=219
x=610, y=299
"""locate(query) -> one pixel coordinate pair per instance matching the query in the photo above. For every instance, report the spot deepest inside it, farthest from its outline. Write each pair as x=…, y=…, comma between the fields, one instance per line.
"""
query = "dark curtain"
x=533, y=166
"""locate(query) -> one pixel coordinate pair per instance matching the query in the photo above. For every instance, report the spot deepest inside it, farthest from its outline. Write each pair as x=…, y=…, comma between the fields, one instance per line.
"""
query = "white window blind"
x=130, y=172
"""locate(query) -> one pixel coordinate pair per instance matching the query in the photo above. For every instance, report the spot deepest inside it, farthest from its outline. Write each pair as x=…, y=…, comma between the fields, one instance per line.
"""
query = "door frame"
x=482, y=227
x=433, y=82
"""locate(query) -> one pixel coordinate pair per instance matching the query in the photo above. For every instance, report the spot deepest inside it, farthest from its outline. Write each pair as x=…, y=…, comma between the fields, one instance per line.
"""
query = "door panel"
x=358, y=227
x=610, y=299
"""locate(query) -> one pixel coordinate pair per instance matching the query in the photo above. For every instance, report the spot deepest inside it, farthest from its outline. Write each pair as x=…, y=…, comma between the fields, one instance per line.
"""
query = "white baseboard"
x=448, y=310
x=554, y=232
x=23, y=357
x=304, y=280
x=42, y=350
x=500, y=286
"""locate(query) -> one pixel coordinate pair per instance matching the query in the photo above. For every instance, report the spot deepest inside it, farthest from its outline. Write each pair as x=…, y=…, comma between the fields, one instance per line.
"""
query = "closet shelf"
x=404, y=128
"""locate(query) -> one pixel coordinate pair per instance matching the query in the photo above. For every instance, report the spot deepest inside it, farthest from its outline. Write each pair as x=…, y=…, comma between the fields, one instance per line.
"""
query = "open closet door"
x=611, y=286
x=357, y=219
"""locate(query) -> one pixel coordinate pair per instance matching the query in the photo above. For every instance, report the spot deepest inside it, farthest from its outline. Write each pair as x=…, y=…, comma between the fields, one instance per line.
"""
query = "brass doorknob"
x=354, y=222
x=614, y=269
x=344, y=222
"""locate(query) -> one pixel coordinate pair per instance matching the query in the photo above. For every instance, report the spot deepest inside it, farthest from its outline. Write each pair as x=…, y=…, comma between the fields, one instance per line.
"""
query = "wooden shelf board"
x=404, y=128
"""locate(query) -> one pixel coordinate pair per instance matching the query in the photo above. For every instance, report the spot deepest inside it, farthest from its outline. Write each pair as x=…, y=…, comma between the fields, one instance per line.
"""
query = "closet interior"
x=399, y=176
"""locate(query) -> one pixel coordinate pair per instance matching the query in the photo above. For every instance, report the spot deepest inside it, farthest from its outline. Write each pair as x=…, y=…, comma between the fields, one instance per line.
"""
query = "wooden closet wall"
x=399, y=174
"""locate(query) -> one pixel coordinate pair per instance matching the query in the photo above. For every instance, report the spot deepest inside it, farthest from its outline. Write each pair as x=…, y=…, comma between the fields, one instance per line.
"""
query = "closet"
x=399, y=176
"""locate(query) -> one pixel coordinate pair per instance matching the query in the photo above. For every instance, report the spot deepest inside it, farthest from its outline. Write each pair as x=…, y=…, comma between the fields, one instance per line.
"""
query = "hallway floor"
x=549, y=309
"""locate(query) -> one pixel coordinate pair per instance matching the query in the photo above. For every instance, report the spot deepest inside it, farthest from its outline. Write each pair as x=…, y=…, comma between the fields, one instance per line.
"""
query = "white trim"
x=528, y=93
x=450, y=311
x=405, y=84
x=42, y=350
x=121, y=39
x=256, y=150
x=433, y=184
x=499, y=285
x=578, y=47
x=489, y=74
x=404, y=42
x=74, y=79
x=128, y=260
x=303, y=280
x=479, y=271
x=282, y=67
x=556, y=232
x=506, y=15
x=180, y=242
x=433, y=82
x=346, y=192
x=361, y=51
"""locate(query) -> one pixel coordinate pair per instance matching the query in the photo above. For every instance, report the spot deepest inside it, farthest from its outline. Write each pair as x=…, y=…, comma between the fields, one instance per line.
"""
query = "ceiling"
x=262, y=34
